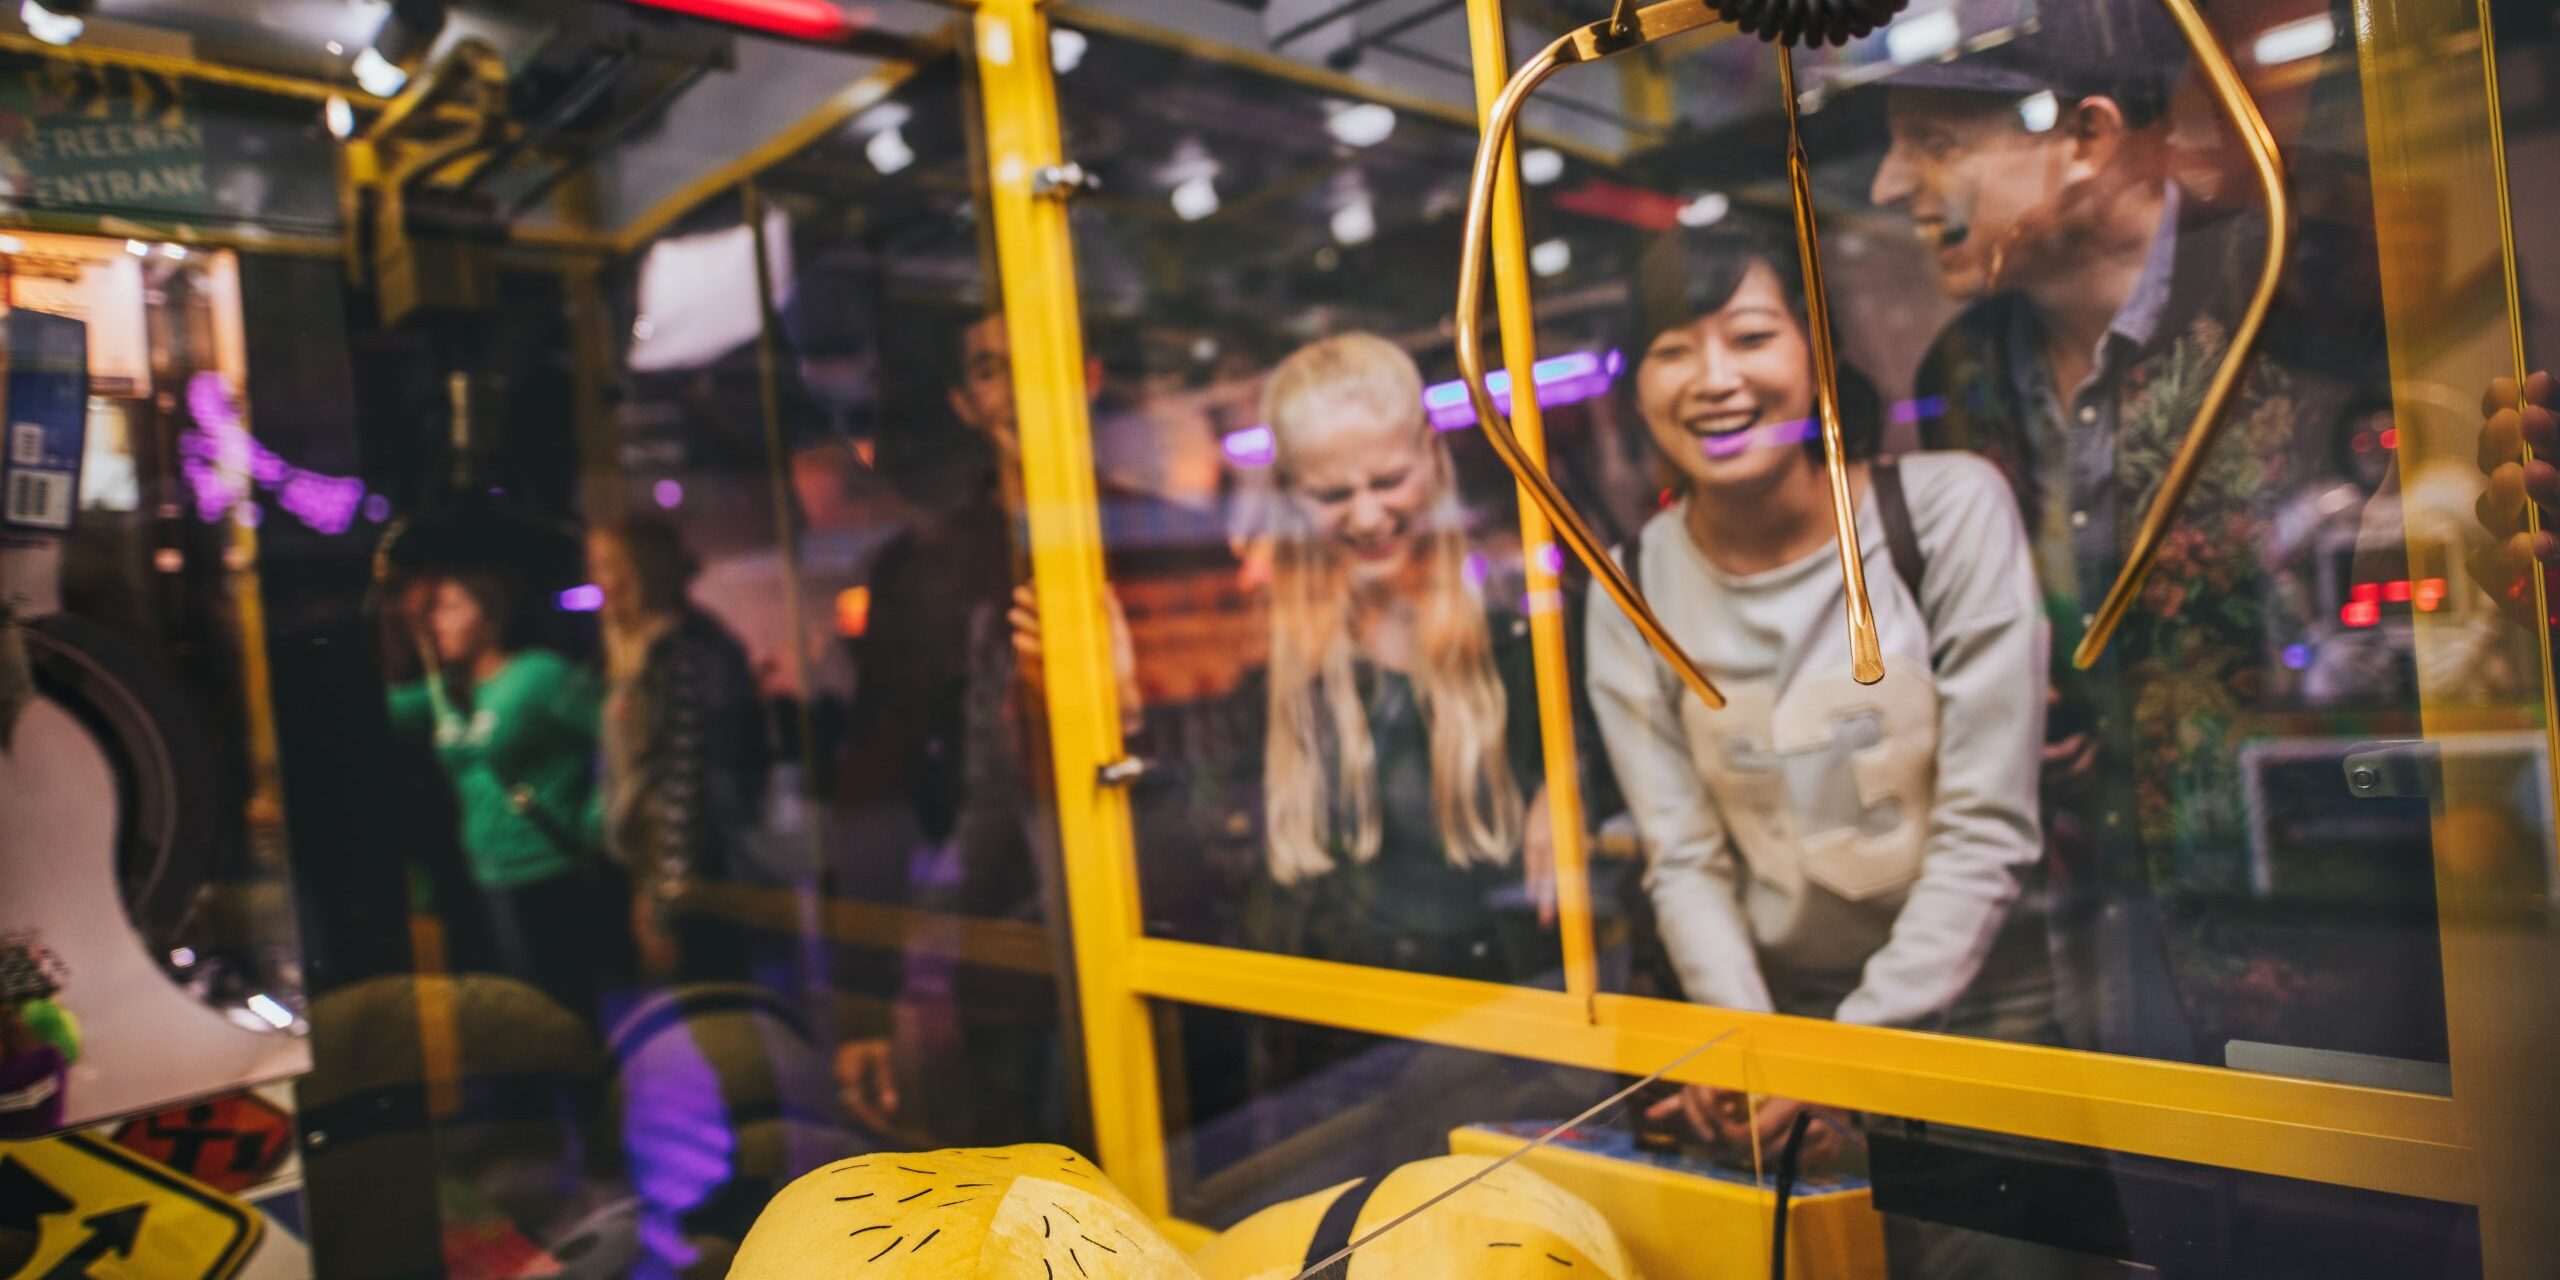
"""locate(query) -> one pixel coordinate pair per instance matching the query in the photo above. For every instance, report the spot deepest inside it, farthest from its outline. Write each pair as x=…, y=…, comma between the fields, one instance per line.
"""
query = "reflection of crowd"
x=595, y=817
x=588, y=808
x=1988, y=842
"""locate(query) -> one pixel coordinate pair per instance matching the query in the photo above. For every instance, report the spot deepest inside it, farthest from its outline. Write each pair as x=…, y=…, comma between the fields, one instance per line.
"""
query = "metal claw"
x=1589, y=43
x=1580, y=45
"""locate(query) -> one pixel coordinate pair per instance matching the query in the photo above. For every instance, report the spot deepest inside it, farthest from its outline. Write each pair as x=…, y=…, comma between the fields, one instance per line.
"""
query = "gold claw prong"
x=2232, y=96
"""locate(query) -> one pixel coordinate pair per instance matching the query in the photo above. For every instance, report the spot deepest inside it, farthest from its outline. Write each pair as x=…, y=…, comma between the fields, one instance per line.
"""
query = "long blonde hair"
x=1315, y=709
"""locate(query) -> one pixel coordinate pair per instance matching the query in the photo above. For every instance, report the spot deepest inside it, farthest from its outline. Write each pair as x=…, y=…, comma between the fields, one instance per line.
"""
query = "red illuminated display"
x=2364, y=600
x=799, y=19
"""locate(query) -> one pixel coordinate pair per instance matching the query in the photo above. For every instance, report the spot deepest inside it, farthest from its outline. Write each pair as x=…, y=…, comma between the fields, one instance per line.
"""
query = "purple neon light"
x=224, y=466
x=1561, y=380
x=586, y=597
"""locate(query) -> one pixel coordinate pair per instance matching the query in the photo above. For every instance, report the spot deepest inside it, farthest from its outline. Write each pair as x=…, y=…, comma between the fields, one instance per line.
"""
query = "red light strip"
x=2364, y=600
x=798, y=19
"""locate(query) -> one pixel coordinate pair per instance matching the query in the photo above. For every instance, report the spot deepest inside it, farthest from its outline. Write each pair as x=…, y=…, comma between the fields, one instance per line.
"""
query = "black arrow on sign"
x=155, y=98
x=114, y=1231
x=26, y=1200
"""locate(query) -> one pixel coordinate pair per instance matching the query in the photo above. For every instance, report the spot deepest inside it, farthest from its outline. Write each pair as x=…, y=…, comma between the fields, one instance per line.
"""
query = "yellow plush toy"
x=1509, y=1225
x=1005, y=1213
x=1045, y=1213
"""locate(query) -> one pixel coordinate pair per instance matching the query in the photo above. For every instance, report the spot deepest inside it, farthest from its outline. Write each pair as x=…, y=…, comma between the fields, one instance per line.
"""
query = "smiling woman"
x=1819, y=847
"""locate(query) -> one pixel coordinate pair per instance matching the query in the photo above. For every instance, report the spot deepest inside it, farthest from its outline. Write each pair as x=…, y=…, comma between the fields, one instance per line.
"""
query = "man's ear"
x=2095, y=127
x=961, y=409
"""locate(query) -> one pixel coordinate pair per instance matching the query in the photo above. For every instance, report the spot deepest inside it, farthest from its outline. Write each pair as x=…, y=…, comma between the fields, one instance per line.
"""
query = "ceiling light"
x=1919, y=37
x=137, y=248
x=2293, y=41
x=340, y=115
x=174, y=252
x=1066, y=50
x=406, y=34
x=57, y=22
x=1196, y=198
x=1355, y=222
x=2039, y=111
x=12, y=244
x=335, y=49
x=888, y=150
x=1705, y=210
x=1364, y=125
x=1550, y=257
x=379, y=75
x=1541, y=165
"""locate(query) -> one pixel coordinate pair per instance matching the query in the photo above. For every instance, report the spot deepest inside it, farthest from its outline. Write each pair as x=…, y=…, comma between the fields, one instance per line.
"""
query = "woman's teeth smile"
x=1721, y=424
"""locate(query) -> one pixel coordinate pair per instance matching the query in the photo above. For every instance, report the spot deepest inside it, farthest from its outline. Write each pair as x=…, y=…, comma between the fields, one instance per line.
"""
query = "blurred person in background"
x=514, y=727
x=685, y=751
x=964, y=1054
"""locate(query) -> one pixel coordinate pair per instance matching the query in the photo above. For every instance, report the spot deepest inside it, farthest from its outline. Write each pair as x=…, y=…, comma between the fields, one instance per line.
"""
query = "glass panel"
x=1324, y=594
x=584, y=578
x=1949, y=1202
x=1260, y=1110
x=2216, y=845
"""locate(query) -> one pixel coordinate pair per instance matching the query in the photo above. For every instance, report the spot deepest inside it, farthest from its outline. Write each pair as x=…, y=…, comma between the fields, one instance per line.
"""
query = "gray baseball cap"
x=2128, y=50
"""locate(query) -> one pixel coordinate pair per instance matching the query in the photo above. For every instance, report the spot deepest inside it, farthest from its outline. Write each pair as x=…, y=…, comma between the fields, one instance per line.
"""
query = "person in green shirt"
x=515, y=729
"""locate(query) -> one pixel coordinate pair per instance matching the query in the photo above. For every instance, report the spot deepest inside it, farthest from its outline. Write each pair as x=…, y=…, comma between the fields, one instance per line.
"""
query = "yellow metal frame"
x=1491, y=57
x=2436, y=173
x=2479, y=1146
x=2378, y=1139
x=1038, y=274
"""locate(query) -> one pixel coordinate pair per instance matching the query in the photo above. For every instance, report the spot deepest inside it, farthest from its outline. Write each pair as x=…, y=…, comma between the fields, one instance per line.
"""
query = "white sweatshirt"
x=1868, y=839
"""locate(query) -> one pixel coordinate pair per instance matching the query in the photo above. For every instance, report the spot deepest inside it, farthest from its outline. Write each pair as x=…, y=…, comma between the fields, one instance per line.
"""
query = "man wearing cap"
x=2099, y=299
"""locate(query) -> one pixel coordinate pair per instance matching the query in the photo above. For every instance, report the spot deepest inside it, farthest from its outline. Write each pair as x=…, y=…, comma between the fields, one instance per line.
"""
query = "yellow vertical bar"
x=1035, y=260
x=1489, y=50
x=2436, y=155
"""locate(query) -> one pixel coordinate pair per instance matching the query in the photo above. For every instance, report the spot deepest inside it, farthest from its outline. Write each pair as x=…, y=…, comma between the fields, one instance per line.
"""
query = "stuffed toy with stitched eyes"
x=1510, y=1224
x=1004, y=1213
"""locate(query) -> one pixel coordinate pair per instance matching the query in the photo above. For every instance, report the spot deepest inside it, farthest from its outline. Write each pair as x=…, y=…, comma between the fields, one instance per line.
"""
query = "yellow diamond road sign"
x=100, y=1212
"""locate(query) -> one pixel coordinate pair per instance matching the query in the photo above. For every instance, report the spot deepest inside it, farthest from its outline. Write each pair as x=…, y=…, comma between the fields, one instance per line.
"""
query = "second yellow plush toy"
x=1003, y=1213
x=1510, y=1225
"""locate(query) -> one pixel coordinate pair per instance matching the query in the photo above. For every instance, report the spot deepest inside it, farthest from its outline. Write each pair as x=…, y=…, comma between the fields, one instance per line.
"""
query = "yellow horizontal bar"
x=188, y=69
x=2407, y=1144
x=1018, y=945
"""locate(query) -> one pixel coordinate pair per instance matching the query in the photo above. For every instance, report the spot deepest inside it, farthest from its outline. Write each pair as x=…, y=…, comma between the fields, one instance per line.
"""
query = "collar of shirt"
x=2139, y=318
x=2136, y=322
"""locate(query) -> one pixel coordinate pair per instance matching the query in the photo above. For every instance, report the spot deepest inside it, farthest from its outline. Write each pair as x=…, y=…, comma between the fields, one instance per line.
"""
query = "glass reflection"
x=1318, y=573
x=2040, y=237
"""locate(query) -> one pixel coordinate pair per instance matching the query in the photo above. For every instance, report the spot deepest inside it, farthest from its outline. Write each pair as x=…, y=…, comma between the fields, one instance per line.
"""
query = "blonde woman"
x=1399, y=771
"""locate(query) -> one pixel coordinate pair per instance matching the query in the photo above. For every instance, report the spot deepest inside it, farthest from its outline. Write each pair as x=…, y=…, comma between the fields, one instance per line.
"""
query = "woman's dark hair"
x=500, y=602
x=1687, y=273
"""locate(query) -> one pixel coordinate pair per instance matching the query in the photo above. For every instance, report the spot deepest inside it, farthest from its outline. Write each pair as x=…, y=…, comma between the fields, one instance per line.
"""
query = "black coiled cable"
x=1808, y=22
